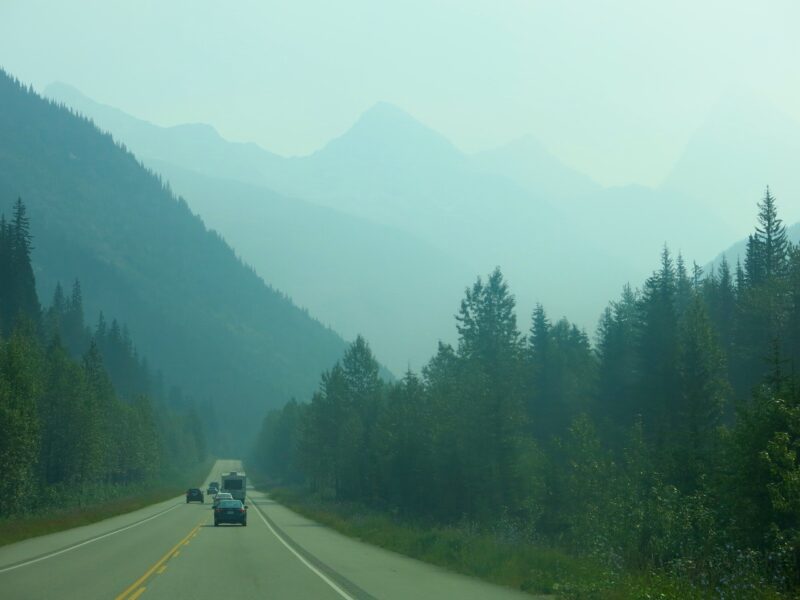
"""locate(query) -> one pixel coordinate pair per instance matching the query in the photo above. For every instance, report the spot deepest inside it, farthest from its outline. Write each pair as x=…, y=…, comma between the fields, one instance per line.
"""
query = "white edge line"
x=89, y=541
x=316, y=571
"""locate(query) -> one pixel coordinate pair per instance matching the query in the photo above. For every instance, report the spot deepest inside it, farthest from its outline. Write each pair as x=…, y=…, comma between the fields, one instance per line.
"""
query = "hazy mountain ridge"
x=526, y=161
x=742, y=147
x=431, y=190
x=197, y=311
x=549, y=227
x=194, y=145
x=327, y=260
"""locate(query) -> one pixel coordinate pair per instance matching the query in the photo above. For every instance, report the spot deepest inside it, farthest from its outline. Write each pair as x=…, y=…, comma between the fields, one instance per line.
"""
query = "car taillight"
x=241, y=510
x=217, y=510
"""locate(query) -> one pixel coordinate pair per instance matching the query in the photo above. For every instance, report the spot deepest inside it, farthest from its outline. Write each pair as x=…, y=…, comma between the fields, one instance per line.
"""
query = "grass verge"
x=15, y=529
x=523, y=566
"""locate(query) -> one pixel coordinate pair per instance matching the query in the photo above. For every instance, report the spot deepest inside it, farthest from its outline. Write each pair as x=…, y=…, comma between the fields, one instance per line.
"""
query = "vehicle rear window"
x=233, y=484
x=230, y=504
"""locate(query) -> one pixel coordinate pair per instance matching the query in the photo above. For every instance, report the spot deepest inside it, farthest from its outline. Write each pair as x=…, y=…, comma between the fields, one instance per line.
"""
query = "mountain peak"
x=383, y=111
x=59, y=89
x=744, y=145
x=386, y=130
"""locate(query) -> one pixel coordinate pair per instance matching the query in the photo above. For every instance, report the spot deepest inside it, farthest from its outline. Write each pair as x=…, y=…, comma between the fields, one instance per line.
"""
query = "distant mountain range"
x=357, y=276
x=742, y=147
x=561, y=238
x=195, y=310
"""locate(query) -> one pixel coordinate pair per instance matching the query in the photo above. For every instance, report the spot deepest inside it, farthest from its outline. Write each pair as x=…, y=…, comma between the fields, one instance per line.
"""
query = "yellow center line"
x=138, y=593
x=161, y=569
x=126, y=595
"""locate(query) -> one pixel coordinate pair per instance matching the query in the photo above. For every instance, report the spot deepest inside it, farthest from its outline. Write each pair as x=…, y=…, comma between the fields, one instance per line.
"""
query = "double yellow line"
x=134, y=591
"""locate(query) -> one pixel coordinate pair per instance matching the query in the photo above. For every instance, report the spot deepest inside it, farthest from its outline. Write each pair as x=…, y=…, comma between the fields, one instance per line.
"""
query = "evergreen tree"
x=771, y=236
x=754, y=271
x=76, y=337
x=493, y=406
x=19, y=443
x=699, y=405
x=363, y=403
x=722, y=306
x=683, y=287
x=618, y=364
x=25, y=301
x=657, y=341
x=541, y=407
x=405, y=449
x=6, y=301
x=18, y=299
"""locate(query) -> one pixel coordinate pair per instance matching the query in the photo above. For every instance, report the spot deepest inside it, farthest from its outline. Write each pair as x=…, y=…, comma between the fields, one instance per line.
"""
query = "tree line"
x=670, y=442
x=81, y=415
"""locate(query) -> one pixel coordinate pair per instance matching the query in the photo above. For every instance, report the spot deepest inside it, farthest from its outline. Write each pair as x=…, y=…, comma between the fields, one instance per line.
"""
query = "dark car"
x=212, y=490
x=194, y=495
x=230, y=511
x=219, y=497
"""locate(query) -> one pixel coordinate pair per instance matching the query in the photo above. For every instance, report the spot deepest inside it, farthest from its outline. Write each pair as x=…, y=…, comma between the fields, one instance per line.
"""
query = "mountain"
x=196, y=146
x=631, y=223
x=527, y=162
x=743, y=146
x=392, y=171
x=196, y=310
x=357, y=276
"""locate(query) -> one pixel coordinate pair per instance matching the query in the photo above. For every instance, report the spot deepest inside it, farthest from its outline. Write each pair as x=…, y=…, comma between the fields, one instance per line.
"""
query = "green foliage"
x=666, y=456
x=198, y=312
x=68, y=435
x=21, y=435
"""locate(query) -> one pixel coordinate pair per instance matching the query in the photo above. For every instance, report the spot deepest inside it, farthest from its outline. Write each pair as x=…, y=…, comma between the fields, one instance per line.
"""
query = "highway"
x=172, y=550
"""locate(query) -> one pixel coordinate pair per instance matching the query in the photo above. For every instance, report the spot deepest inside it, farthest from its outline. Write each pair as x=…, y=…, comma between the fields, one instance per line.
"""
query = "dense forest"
x=203, y=316
x=669, y=443
x=82, y=416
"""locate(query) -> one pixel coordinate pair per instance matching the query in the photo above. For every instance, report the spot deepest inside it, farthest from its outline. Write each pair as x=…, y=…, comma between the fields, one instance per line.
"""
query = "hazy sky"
x=614, y=88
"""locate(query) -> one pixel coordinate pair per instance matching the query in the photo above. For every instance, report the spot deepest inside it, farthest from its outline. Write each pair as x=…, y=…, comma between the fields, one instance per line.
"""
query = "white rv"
x=235, y=483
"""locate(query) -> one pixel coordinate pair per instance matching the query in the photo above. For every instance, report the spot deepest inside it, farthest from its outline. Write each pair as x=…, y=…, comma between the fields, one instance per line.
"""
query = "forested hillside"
x=669, y=446
x=197, y=311
x=81, y=416
x=359, y=277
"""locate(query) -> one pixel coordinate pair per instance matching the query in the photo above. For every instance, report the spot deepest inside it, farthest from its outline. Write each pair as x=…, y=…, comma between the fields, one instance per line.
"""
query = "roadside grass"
x=21, y=527
x=523, y=566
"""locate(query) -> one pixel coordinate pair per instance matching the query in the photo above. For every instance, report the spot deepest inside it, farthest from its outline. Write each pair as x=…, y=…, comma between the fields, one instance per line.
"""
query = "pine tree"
x=6, y=267
x=364, y=391
x=490, y=349
x=23, y=285
x=20, y=384
x=76, y=336
x=771, y=237
x=657, y=351
x=540, y=402
x=683, y=287
x=618, y=405
x=699, y=405
x=741, y=277
x=754, y=261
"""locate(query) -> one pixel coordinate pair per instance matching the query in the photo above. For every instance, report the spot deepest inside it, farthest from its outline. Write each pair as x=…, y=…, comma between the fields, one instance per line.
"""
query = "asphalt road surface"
x=172, y=550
